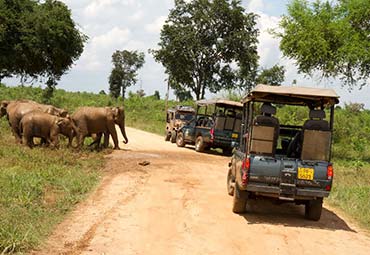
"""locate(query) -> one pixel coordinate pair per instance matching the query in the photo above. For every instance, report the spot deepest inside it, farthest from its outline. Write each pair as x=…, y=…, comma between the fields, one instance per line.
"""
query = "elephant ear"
x=63, y=113
x=3, y=106
x=115, y=111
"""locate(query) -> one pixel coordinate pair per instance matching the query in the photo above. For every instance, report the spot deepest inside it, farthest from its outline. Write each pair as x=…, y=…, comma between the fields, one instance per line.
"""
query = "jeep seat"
x=265, y=132
x=316, y=137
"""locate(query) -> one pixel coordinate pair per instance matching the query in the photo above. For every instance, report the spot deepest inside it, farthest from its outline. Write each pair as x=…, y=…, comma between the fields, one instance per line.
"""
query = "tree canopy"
x=271, y=76
x=123, y=75
x=331, y=37
x=209, y=45
x=38, y=39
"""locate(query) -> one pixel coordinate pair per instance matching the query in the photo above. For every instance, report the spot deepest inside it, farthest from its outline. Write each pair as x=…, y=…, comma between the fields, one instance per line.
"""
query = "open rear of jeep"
x=282, y=156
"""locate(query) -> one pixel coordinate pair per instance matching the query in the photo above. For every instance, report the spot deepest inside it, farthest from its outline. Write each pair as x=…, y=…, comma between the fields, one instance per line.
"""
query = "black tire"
x=227, y=151
x=180, y=142
x=313, y=209
x=167, y=137
x=173, y=136
x=199, y=144
x=230, y=183
x=239, y=201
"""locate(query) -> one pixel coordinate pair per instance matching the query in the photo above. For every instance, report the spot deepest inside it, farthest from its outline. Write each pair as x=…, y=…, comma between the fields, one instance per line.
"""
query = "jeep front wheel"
x=173, y=136
x=180, y=142
x=167, y=136
x=199, y=144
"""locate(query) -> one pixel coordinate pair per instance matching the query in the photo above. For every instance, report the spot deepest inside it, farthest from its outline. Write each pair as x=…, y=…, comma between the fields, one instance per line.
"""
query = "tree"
x=331, y=37
x=156, y=95
x=38, y=39
x=209, y=45
x=183, y=95
x=272, y=76
x=123, y=75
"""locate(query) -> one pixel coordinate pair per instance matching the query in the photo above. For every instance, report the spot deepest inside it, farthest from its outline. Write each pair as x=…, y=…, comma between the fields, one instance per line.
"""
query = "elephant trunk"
x=122, y=127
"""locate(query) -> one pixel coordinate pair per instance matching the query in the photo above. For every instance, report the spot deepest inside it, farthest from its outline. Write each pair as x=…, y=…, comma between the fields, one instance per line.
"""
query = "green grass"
x=351, y=190
x=38, y=187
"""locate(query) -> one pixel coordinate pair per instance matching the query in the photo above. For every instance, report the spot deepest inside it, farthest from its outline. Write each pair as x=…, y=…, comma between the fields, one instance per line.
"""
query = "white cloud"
x=98, y=51
x=156, y=26
x=255, y=6
x=268, y=47
x=96, y=7
x=115, y=37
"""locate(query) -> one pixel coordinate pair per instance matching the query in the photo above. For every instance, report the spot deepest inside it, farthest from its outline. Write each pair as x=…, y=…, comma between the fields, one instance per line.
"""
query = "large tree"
x=123, y=75
x=209, y=45
x=331, y=37
x=38, y=39
x=271, y=76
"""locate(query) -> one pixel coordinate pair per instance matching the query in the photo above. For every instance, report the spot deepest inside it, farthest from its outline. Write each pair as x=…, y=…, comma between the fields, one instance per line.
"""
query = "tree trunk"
x=123, y=93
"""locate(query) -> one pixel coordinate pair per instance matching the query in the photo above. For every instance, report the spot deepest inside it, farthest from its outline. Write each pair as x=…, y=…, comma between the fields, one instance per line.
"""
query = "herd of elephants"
x=29, y=119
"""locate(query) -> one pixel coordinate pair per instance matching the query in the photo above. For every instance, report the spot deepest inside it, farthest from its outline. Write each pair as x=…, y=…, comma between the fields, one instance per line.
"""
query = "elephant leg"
x=106, y=140
x=81, y=138
x=97, y=139
x=113, y=132
x=17, y=134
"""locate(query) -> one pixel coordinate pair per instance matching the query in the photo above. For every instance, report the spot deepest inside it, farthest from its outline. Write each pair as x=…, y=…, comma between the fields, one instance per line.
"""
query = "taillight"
x=245, y=170
x=212, y=132
x=330, y=172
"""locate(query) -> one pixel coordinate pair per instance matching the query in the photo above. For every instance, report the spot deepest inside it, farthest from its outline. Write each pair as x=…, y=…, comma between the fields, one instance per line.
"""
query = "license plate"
x=234, y=135
x=305, y=173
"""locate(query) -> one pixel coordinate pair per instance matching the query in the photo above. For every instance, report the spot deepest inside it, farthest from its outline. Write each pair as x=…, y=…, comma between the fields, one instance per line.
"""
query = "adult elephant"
x=15, y=111
x=98, y=120
x=47, y=127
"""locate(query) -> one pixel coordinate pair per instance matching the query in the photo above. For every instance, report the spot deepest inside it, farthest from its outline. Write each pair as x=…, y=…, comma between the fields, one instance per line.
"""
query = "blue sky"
x=136, y=24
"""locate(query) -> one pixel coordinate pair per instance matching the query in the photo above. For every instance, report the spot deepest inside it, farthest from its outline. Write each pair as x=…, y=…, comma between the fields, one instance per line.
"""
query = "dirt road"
x=178, y=205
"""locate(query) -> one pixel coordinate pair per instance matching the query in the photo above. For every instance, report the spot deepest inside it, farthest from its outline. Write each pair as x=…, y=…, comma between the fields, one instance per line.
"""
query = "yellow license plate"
x=305, y=173
x=234, y=135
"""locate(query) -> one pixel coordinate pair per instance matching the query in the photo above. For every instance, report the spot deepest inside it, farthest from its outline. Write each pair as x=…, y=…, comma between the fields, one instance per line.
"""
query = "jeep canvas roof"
x=292, y=95
x=225, y=102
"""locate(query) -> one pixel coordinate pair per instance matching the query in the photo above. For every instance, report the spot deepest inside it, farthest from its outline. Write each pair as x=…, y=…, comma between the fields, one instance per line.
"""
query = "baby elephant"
x=45, y=126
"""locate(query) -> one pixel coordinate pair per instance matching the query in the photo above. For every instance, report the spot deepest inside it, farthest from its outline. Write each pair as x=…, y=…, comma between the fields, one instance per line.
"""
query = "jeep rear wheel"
x=230, y=183
x=180, y=142
x=313, y=209
x=173, y=136
x=239, y=201
x=199, y=144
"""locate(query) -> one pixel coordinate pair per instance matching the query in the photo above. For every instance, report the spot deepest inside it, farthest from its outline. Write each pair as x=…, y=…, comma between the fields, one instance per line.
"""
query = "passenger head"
x=268, y=110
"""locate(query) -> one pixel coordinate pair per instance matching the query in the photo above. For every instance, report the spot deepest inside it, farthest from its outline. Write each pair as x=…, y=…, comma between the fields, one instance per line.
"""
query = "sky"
x=135, y=25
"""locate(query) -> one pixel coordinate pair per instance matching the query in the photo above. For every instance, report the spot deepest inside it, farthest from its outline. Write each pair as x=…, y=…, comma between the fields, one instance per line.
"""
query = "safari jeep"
x=176, y=118
x=286, y=163
x=217, y=124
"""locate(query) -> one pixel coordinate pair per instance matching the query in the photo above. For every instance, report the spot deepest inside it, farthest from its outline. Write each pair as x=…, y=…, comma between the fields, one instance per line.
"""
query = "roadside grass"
x=38, y=187
x=351, y=190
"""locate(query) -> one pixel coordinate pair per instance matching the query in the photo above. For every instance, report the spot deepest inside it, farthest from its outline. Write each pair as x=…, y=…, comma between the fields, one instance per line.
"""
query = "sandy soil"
x=178, y=205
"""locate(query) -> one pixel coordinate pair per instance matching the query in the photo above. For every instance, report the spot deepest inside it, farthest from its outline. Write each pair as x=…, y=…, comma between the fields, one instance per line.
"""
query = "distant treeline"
x=351, y=129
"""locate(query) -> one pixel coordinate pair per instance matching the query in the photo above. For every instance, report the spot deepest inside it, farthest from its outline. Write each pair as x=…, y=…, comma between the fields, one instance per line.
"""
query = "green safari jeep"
x=217, y=124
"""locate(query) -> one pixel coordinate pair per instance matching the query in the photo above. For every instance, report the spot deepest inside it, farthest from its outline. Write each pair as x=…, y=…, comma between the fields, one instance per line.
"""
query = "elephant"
x=47, y=127
x=15, y=111
x=99, y=120
x=4, y=105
